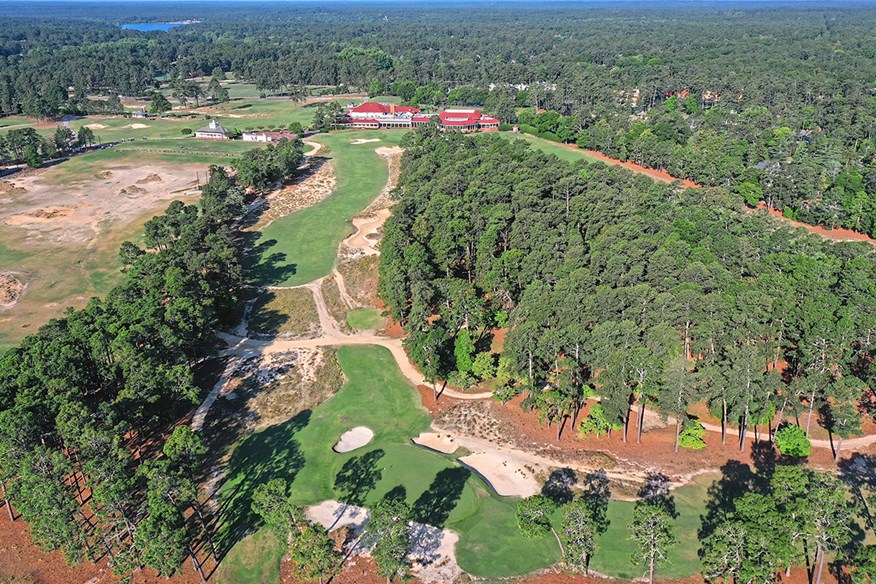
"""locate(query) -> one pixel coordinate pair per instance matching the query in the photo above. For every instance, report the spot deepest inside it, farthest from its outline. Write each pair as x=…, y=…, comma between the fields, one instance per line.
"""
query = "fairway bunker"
x=353, y=438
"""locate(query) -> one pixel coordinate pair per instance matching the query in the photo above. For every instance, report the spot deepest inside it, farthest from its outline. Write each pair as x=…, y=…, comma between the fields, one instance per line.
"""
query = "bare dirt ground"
x=56, y=210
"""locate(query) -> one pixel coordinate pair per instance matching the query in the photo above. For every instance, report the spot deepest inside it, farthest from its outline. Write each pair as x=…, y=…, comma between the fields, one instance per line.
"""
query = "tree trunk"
x=677, y=432
x=811, y=405
x=819, y=565
x=626, y=424
x=560, y=426
x=839, y=444
x=651, y=570
x=196, y=564
x=435, y=390
x=723, y=420
x=6, y=502
x=779, y=421
x=641, y=418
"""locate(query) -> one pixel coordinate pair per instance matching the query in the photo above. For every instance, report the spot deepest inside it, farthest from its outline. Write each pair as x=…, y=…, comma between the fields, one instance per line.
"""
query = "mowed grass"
x=302, y=247
x=440, y=491
x=560, y=151
x=365, y=319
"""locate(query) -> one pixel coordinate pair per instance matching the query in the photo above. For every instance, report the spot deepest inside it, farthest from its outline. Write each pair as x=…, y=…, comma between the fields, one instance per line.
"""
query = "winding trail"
x=240, y=348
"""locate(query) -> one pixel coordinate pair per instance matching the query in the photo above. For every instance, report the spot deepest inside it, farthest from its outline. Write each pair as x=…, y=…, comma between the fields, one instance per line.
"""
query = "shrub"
x=550, y=136
x=528, y=129
x=792, y=441
x=595, y=422
x=185, y=131
x=506, y=392
x=506, y=127
x=484, y=365
x=691, y=436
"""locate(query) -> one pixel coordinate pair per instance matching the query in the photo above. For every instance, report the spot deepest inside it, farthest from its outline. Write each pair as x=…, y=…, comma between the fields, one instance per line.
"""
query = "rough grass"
x=364, y=319
x=334, y=304
x=61, y=275
x=558, y=150
x=360, y=278
x=302, y=247
x=288, y=313
x=256, y=561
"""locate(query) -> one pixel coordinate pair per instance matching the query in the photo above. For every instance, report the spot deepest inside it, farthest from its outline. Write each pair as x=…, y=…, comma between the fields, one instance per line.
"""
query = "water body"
x=150, y=26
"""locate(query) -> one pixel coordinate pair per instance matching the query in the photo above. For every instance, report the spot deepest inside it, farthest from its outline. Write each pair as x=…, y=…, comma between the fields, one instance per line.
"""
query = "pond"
x=150, y=26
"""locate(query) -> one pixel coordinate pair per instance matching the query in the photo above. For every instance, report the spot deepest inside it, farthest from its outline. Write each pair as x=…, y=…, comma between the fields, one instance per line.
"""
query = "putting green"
x=302, y=247
x=440, y=491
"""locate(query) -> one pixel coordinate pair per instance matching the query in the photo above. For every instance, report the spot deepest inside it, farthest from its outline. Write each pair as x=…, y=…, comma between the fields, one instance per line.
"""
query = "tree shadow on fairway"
x=736, y=480
x=558, y=487
x=358, y=477
x=439, y=500
x=269, y=454
x=265, y=321
x=262, y=265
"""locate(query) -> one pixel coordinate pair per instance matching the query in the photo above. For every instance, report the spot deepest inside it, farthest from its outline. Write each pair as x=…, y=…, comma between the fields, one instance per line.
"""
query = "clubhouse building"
x=374, y=115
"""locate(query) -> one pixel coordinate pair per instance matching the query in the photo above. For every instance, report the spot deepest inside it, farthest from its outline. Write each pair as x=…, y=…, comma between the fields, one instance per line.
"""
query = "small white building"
x=250, y=136
x=213, y=132
x=140, y=113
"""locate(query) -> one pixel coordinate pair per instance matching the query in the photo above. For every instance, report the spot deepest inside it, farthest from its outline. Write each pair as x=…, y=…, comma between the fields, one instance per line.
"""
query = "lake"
x=150, y=26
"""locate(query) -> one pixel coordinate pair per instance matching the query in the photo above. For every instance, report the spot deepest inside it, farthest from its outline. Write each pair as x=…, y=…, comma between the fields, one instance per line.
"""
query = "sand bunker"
x=138, y=126
x=505, y=474
x=436, y=441
x=96, y=126
x=365, y=141
x=432, y=553
x=354, y=438
x=151, y=178
x=10, y=289
x=41, y=215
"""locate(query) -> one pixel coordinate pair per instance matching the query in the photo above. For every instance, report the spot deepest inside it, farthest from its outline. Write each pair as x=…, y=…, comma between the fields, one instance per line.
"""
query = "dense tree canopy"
x=615, y=286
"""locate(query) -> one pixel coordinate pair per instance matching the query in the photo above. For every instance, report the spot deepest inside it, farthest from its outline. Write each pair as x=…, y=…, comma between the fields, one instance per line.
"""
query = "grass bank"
x=302, y=247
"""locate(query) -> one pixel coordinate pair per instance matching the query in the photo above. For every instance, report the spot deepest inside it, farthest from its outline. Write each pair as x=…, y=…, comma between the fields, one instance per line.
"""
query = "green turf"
x=301, y=247
x=560, y=151
x=440, y=491
x=613, y=553
x=364, y=319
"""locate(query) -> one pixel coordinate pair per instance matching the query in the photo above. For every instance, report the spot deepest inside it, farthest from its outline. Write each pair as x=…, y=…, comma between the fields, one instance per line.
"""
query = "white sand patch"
x=437, y=441
x=137, y=126
x=433, y=550
x=96, y=126
x=354, y=438
x=507, y=475
x=364, y=141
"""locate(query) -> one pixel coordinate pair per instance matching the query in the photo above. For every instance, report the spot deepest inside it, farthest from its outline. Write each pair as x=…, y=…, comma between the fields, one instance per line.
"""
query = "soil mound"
x=7, y=188
x=354, y=438
x=105, y=174
x=151, y=178
x=10, y=289
x=132, y=190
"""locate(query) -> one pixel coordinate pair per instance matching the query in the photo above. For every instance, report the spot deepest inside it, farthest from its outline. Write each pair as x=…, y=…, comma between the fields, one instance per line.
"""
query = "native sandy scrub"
x=302, y=247
x=287, y=313
x=313, y=186
x=61, y=228
x=337, y=306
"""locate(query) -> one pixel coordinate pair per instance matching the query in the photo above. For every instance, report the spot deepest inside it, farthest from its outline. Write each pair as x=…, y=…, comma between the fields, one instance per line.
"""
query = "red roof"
x=459, y=118
x=373, y=107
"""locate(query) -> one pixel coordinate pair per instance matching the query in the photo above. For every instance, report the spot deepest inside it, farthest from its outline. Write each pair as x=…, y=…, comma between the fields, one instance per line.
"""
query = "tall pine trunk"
x=641, y=418
x=6, y=502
